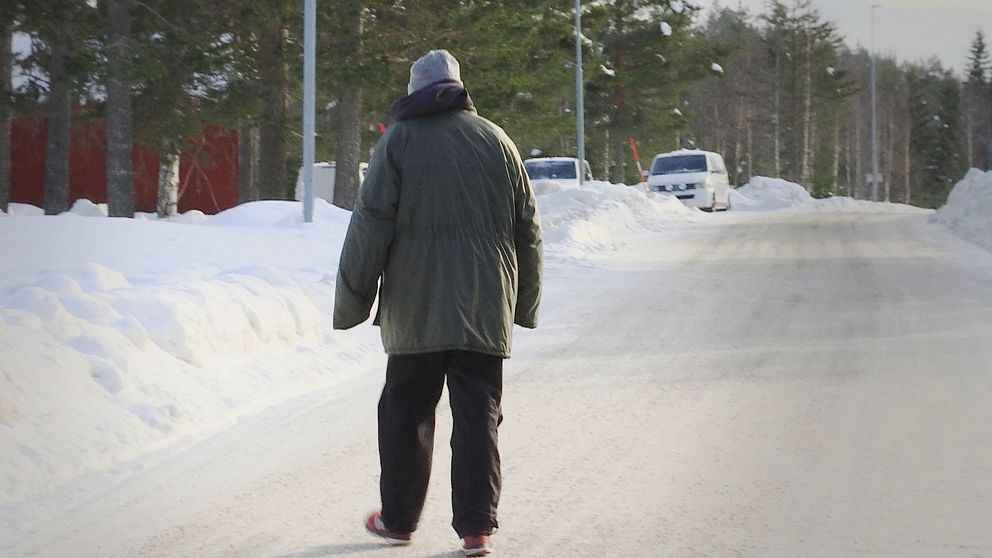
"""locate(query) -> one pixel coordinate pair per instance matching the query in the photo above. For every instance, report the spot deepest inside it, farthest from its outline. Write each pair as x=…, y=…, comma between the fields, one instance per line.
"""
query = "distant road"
x=767, y=385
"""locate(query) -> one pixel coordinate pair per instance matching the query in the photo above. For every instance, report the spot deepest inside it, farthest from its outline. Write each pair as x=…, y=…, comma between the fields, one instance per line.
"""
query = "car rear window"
x=540, y=170
x=679, y=164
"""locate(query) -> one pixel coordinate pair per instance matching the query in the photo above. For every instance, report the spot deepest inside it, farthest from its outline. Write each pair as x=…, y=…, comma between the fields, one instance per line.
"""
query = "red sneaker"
x=374, y=525
x=477, y=546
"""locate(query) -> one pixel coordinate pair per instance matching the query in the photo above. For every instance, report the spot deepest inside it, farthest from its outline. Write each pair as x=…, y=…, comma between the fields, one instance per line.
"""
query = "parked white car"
x=698, y=178
x=563, y=169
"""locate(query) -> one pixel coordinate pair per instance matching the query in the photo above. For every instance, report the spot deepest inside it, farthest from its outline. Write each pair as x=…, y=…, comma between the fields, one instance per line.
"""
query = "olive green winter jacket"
x=446, y=228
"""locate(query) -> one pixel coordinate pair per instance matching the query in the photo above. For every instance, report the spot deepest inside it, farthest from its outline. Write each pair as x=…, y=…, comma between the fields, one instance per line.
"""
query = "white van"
x=562, y=169
x=323, y=180
x=698, y=178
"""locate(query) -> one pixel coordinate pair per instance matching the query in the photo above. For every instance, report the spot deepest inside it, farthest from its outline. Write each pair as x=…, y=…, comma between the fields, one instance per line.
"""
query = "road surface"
x=768, y=385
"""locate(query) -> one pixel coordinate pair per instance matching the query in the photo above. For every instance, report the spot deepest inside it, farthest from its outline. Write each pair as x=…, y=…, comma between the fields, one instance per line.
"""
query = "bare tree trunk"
x=890, y=141
x=5, y=90
x=718, y=128
x=120, y=175
x=737, y=140
x=618, y=119
x=57, y=150
x=778, y=116
x=908, y=160
x=750, y=151
x=988, y=131
x=346, y=179
x=835, y=169
x=247, y=161
x=969, y=127
x=856, y=184
x=848, y=166
x=273, y=88
x=168, y=180
x=807, y=114
x=606, y=152
x=619, y=156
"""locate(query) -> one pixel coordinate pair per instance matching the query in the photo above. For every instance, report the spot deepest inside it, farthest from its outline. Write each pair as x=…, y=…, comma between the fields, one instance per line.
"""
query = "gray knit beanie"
x=432, y=67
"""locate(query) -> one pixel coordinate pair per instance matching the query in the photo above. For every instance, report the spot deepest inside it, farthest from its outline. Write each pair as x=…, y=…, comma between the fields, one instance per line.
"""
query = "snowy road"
x=814, y=385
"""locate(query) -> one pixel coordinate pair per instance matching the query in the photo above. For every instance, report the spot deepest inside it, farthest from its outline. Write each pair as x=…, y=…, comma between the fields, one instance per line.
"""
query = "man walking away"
x=446, y=228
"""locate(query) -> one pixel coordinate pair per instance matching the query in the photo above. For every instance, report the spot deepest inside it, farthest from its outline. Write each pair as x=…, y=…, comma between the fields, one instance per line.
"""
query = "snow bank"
x=119, y=336
x=86, y=208
x=774, y=194
x=968, y=209
x=603, y=217
x=122, y=336
x=22, y=210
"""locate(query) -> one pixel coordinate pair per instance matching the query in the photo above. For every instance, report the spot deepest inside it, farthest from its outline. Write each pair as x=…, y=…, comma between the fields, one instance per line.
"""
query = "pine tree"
x=272, y=61
x=61, y=32
x=937, y=152
x=978, y=98
x=979, y=63
x=511, y=64
x=807, y=90
x=187, y=70
x=120, y=175
x=638, y=82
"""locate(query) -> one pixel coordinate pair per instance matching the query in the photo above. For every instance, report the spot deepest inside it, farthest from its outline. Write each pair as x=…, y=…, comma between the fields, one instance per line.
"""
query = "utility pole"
x=309, y=94
x=580, y=110
x=876, y=177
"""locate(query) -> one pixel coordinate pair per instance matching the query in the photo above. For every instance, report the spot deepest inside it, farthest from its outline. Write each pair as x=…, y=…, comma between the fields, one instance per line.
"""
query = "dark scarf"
x=436, y=98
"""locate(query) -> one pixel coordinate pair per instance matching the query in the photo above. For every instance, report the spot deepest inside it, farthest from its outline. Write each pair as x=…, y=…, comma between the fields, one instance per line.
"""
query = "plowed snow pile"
x=774, y=194
x=968, y=211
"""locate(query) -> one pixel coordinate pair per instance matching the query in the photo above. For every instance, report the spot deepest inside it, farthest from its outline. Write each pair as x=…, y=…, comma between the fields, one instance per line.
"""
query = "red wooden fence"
x=208, y=169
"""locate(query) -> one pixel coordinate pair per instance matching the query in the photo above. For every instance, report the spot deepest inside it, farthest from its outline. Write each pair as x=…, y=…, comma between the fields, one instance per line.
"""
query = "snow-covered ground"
x=119, y=337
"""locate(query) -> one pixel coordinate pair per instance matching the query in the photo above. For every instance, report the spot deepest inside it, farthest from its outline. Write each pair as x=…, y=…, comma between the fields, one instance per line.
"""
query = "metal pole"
x=580, y=110
x=874, y=112
x=309, y=93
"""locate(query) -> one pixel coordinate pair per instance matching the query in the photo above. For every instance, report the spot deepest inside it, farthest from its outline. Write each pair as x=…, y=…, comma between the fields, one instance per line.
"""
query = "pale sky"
x=911, y=30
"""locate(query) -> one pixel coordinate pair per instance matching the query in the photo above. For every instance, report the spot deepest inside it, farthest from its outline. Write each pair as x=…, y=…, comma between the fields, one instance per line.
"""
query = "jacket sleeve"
x=527, y=240
x=366, y=245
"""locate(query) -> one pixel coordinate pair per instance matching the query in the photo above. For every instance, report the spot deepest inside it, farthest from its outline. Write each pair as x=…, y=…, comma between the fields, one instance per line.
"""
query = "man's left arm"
x=527, y=240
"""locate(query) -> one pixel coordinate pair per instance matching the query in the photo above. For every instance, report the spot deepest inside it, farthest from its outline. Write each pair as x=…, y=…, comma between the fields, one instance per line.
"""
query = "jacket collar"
x=436, y=98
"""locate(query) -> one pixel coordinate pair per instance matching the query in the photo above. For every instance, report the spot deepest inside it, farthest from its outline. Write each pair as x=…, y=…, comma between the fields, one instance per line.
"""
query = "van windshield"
x=542, y=170
x=679, y=164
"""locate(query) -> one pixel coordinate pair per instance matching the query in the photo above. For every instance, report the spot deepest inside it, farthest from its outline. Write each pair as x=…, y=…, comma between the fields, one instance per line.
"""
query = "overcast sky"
x=911, y=30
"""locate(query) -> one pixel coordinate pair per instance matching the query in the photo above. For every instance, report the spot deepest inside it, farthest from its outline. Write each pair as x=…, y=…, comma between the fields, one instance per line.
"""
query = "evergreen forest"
x=779, y=93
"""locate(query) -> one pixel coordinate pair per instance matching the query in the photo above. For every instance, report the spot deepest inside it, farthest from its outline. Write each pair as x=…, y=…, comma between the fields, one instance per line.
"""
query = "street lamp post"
x=309, y=94
x=580, y=115
x=876, y=177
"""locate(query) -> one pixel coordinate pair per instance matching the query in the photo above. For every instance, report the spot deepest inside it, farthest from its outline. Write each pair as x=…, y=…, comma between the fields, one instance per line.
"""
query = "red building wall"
x=208, y=170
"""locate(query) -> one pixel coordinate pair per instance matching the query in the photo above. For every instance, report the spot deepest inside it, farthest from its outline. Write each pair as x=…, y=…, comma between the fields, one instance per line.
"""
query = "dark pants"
x=406, y=437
